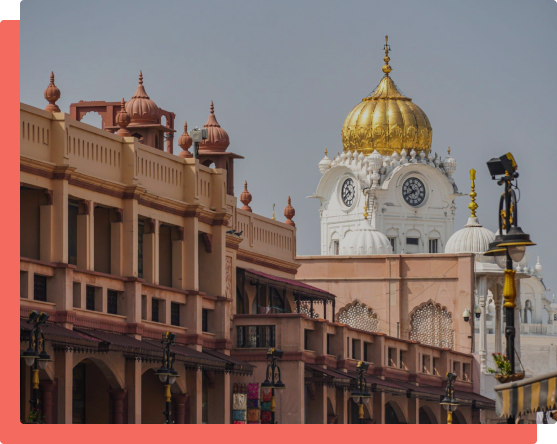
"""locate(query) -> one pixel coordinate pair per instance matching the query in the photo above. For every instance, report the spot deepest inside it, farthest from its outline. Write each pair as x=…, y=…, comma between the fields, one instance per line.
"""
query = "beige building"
x=121, y=241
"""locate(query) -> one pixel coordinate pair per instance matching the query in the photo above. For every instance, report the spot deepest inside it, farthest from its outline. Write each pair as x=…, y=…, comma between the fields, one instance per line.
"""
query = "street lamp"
x=273, y=380
x=361, y=390
x=166, y=372
x=449, y=402
x=511, y=242
x=36, y=356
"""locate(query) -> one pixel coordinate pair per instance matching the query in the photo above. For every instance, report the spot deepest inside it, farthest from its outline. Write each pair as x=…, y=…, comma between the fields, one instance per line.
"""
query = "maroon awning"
x=52, y=331
x=234, y=365
x=299, y=286
x=327, y=372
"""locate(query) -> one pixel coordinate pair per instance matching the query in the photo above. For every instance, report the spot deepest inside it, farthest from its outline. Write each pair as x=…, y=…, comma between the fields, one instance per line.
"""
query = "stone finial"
x=185, y=141
x=289, y=213
x=123, y=119
x=245, y=198
x=52, y=94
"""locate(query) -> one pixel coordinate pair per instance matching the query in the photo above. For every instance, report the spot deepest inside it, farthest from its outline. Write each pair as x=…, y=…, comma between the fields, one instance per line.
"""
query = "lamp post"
x=449, y=402
x=509, y=245
x=166, y=372
x=361, y=390
x=273, y=380
x=36, y=356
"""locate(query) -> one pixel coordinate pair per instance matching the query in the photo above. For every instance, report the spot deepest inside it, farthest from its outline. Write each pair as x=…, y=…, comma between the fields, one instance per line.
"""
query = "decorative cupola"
x=140, y=107
x=449, y=164
x=538, y=268
x=325, y=163
x=52, y=94
x=473, y=238
x=217, y=138
x=245, y=198
x=185, y=142
x=289, y=213
x=123, y=120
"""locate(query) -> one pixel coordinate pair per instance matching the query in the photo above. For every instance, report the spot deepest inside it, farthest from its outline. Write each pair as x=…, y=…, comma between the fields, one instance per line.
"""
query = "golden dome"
x=386, y=120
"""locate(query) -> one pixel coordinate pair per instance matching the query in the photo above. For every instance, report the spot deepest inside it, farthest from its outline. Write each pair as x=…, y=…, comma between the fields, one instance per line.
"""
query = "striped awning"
x=527, y=396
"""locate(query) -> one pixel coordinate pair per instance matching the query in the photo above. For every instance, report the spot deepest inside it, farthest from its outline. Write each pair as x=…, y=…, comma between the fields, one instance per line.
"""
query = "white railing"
x=535, y=329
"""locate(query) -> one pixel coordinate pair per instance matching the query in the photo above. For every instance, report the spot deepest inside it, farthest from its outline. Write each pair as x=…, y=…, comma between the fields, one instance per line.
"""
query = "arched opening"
x=93, y=118
x=334, y=248
x=393, y=414
x=527, y=318
x=412, y=244
x=163, y=120
x=93, y=385
x=432, y=324
x=354, y=413
x=209, y=163
x=426, y=416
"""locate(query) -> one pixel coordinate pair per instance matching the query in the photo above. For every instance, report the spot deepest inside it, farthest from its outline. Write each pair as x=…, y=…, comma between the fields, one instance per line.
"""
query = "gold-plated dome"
x=386, y=120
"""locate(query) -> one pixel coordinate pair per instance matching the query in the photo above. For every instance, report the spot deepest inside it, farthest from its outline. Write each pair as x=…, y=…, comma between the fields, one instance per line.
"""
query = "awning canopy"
x=328, y=376
x=527, y=396
x=149, y=350
x=296, y=286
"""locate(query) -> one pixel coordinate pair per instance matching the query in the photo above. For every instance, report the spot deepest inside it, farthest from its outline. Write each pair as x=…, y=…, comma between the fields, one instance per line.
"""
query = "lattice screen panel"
x=358, y=316
x=432, y=325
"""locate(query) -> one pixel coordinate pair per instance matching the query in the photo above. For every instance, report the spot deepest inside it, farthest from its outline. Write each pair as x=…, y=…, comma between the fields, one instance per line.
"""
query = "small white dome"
x=365, y=240
x=538, y=267
x=553, y=305
x=324, y=164
x=473, y=238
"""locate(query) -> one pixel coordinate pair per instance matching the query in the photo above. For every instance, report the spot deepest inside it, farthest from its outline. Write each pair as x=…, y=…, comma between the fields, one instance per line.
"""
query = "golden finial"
x=365, y=212
x=326, y=152
x=274, y=218
x=449, y=150
x=473, y=205
x=386, y=67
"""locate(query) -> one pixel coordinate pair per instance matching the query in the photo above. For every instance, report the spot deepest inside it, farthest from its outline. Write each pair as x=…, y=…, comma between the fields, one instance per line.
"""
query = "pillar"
x=482, y=296
x=118, y=396
x=341, y=408
x=193, y=383
x=129, y=238
x=85, y=232
x=413, y=411
x=60, y=221
x=46, y=232
x=47, y=392
x=498, y=315
x=190, y=254
x=379, y=407
x=151, y=252
x=133, y=387
x=178, y=269
x=180, y=402
x=64, y=372
x=116, y=246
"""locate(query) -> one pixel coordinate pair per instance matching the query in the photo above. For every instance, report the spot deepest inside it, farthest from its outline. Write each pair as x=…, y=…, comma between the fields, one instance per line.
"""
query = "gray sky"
x=284, y=75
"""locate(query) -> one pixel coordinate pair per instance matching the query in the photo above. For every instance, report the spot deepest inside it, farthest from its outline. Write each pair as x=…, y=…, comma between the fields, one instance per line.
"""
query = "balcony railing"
x=255, y=336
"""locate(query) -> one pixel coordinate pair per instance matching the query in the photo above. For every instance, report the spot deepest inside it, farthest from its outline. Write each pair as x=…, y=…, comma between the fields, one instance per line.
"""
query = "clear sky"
x=284, y=75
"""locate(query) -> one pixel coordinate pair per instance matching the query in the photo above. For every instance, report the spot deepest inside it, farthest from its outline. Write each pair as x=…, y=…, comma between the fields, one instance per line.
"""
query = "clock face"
x=348, y=192
x=413, y=191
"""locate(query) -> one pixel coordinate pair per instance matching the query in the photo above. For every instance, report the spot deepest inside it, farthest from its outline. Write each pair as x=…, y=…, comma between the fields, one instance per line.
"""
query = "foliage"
x=503, y=365
x=35, y=417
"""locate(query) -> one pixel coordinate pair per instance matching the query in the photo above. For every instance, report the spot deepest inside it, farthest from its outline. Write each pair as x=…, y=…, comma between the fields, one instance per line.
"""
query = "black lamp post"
x=166, y=373
x=273, y=380
x=449, y=402
x=510, y=245
x=361, y=390
x=36, y=356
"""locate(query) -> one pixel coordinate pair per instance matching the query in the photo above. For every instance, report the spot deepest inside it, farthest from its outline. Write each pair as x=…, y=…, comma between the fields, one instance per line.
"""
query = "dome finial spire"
x=473, y=205
x=140, y=78
x=386, y=67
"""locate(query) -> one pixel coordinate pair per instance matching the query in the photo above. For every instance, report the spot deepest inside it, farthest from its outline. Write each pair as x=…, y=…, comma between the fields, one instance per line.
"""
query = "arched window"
x=358, y=315
x=527, y=317
x=334, y=248
x=432, y=324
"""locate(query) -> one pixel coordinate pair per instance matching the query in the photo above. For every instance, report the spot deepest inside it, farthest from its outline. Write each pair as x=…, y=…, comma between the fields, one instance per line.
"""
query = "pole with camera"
x=36, y=356
x=197, y=136
x=509, y=245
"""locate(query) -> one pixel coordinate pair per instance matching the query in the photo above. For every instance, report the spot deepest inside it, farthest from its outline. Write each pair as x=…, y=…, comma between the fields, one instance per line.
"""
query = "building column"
x=47, y=392
x=151, y=252
x=130, y=242
x=117, y=244
x=498, y=321
x=193, y=384
x=64, y=372
x=85, y=233
x=341, y=408
x=59, y=252
x=482, y=296
x=118, y=397
x=379, y=407
x=178, y=268
x=133, y=387
x=413, y=411
x=180, y=401
x=190, y=254
x=46, y=232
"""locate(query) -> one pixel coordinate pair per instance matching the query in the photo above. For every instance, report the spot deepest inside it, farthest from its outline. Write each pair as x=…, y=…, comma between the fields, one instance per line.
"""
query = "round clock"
x=348, y=192
x=413, y=191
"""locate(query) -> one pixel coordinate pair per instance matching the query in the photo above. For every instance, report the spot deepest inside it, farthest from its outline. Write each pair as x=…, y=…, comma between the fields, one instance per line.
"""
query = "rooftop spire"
x=473, y=205
x=140, y=77
x=386, y=67
x=52, y=94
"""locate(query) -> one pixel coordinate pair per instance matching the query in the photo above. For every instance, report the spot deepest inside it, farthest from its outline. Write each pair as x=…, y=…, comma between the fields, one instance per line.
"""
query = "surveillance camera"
x=466, y=315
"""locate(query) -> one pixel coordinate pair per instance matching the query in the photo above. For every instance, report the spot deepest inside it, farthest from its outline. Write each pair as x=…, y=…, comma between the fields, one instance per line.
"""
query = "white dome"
x=365, y=240
x=473, y=238
x=324, y=164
